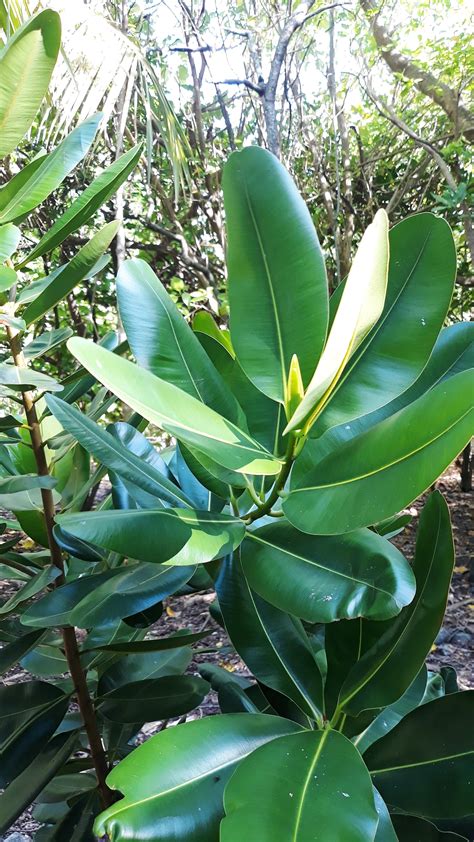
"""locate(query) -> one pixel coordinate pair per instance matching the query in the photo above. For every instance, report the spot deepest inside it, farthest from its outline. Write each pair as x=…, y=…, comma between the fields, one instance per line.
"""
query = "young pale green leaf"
x=52, y=171
x=26, y=786
x=26, y=64
x=163, y=343
x=175, y=411
x=72, y=273
x=272, y=643
x=31, y=712
x=186, y=536
x=112, y=453
x=326, y=578
x=173, y=784
x=411, y=765
x=380, y=471
x=421, y=277
x=309, y=786
x=153, y=699
x=9, y=239
x=277, y=280
x=84, y=207
x=360, y=308
x=387, y=669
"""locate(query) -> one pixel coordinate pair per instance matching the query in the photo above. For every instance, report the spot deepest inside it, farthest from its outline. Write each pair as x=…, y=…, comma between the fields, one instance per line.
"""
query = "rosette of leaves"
x=303, y=431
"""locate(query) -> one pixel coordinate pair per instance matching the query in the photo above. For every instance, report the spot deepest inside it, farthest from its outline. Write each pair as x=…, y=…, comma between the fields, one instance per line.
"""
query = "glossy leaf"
x=277, y=281
x=326, y=578
x=112, y=453
x=185, y=536
x=31, y=712
x=312, y=785
x=420, y=285
x=173, y=784
x=390, y=716
x=8, y=277
x=23, y=379
x=52, y=170
x=9, y=239
x=272, y=643
x=10, y=485
x=163, y=342
x=385, y=671
x=153, y=699
x=45, y=342
x=381, y=471
x=360, y=307
x=175, y=411
x=27, y=785
x=72, y=273
x=106, y=597
x=17, y=649
x=412, y=764
x=26, y=64
x=158, y=644
x=84, y=207
x=412, y=827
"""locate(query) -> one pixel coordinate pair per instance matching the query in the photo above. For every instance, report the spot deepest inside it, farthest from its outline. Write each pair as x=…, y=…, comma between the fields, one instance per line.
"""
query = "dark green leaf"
x=277, y=280
x=326, y=578
x=13, y=652
x=153, y=699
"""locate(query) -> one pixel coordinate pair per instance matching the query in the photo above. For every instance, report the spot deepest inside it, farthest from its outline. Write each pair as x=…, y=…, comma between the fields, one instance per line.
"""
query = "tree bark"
x=427, y=83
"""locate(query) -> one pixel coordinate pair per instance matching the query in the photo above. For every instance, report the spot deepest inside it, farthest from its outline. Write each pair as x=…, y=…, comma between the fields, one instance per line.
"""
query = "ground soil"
x=454, y=644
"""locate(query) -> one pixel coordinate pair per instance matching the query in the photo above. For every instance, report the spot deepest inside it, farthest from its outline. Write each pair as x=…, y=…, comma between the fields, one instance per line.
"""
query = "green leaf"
x=23, y=379
x=185, y=536
x=10, y=485
x=11, y=187
x=420, y=285
x=153, y=699
x=385, y=671
x=175, y=411
x=385, y=829
x=26, y=64
x=390, y=716
x=139, y=666
x=277, y=280
x=264, y=417
x=326, y=578
x=34, y=778
x=360, y=308
x=84, y=207
x=45, y=661
x=45, y=342
x=380, y=471
x=204, y=323
x=409, y=828
x=108, y=450
x=13, y=652
x=31, y=712
x=173, y=784
x=34, y=585
x=9, y=239
x=72, y=273
x=273, y=644
x=305, y=786
x=159, y=644
x=51, y=172
x=163, y=343
x=412, y=764
x=8, y=277
x=106, y=597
